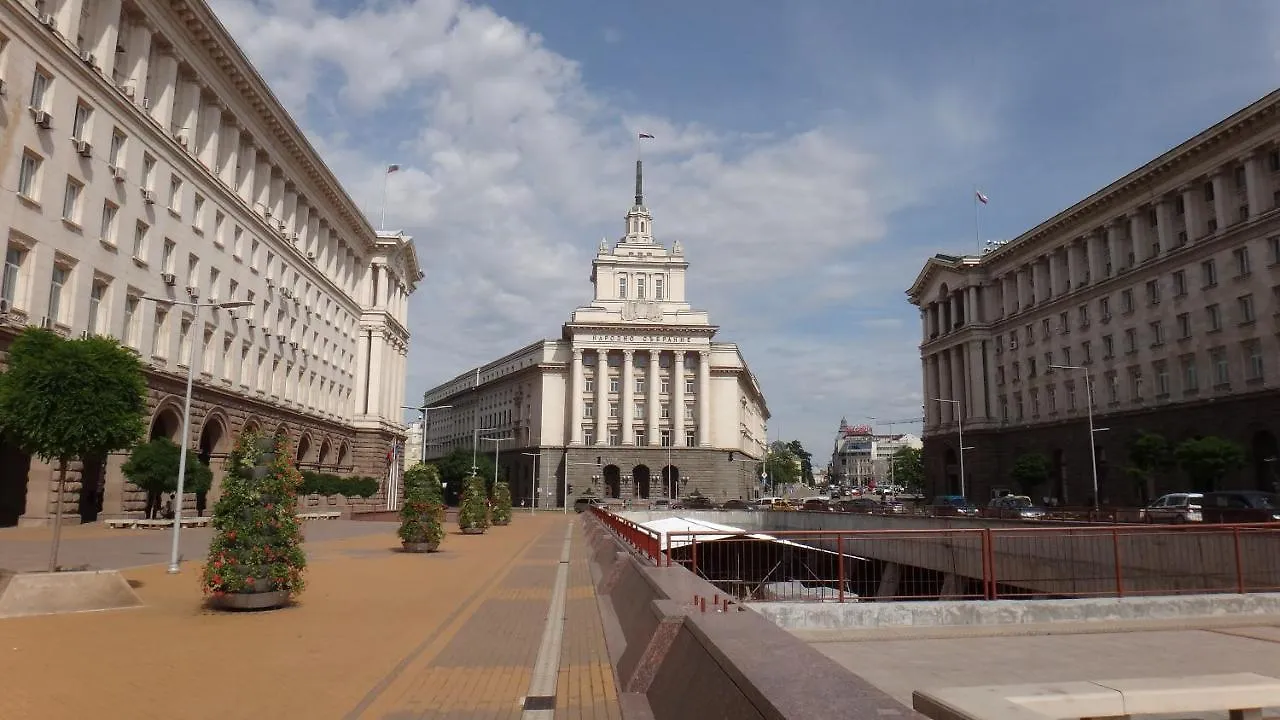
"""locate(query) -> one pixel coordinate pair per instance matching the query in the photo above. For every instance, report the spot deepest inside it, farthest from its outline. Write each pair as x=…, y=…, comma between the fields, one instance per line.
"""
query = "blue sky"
x=810, y=154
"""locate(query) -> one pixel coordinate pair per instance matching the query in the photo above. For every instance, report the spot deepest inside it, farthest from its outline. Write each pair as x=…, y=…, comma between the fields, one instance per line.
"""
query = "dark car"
x=697, y=502
x=815, y=505
x=953, y=506
x=1240, y=506
x=859, y=505
x=736, y=505
x=582, y=503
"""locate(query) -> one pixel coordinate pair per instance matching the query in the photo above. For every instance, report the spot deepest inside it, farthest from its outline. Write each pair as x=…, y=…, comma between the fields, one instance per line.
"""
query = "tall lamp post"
x=496, y=442
x=1093, y=450
x=533, y=501
x=186, y=410
x=423, y=411
x=475, y=443
x=960, y=426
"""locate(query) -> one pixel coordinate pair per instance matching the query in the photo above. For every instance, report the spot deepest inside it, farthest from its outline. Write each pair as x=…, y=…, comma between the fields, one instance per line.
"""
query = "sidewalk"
x=377, y=634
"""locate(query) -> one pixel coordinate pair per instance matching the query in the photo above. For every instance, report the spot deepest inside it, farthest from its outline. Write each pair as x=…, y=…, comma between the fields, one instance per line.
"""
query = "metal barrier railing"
x=969, y=563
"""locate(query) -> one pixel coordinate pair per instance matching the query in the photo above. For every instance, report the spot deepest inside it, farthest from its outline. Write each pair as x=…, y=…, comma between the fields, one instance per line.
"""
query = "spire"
x=639, y=183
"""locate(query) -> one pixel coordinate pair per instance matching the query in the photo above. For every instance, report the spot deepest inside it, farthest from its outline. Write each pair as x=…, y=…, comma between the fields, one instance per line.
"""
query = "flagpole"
x=382, y=221
x=977, y=236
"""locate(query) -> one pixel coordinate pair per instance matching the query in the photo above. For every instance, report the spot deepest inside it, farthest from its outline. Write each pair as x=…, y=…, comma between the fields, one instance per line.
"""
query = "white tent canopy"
x=709, y=532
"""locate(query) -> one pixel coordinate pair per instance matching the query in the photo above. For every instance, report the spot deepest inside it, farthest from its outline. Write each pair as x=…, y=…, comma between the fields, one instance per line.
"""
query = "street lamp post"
x=496, y=442
x=1093, y=450
x=186, y=412
x=533, y=501
x=423, y=410
x=960, y=427
x=475, y=443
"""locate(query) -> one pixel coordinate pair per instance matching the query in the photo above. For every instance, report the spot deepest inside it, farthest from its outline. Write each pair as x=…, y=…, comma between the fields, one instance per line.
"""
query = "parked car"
x=1240, y=506
x=815, y=505
x=697, y=502
x=1015, y=507
x=893, y=506
x=953, y=506
x=736, y=505
x=781, y=504
x=582, y=503
x=859, y=505
x=1175, y=508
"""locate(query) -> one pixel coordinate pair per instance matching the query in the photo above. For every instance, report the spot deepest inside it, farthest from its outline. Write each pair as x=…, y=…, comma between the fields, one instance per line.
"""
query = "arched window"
x=622, y=286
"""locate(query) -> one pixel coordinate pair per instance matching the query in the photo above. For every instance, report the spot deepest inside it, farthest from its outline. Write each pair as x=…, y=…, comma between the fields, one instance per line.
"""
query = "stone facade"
x=637, y=371
x=1154, y=301
x=154, y=181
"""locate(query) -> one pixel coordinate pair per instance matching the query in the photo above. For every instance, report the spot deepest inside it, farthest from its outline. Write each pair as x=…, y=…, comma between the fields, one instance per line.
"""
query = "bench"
x=319, y=516
x=1244, y=695
x=152, y=524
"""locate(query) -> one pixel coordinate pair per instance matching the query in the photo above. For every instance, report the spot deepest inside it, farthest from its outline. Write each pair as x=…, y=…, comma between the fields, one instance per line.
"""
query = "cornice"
x=208, y=33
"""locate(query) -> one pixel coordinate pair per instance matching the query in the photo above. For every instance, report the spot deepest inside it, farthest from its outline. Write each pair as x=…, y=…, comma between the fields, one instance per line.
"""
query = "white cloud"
x=513, y=168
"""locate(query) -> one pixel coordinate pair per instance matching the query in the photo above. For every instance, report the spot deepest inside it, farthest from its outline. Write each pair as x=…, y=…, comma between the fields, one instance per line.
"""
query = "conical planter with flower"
x=421, y=517
x=256, y=559
x=473, y=511
x=502, y=504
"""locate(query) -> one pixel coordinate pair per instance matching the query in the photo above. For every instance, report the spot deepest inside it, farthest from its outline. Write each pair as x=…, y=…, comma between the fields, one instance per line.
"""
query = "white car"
x=1175, y=508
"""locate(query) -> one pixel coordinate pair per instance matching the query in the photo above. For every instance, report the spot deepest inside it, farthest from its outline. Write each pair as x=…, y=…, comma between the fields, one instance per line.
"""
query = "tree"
x=257, y=541
x=422, y=515
x=1030, y=470
x=455, y=468
x=1149, y=454
x=502, y=504
x=153, y=467
x=1207, y=460
x=805, y=458
x=781, y=465
x=473, y=512
x=908, y=468
x=65, y=399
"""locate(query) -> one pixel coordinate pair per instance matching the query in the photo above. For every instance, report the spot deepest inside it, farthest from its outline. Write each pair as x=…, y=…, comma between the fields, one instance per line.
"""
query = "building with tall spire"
x=636, y=400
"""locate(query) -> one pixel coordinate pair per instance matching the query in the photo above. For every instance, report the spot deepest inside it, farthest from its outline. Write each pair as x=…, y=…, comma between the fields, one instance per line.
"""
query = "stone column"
x=139, y=61
x=68, y=19
x=972, y=312
x=289, y=210
x=1164, y=227
x=930, y=366
x=275, y=196
x=602, y=397
x=362, y=371
x=1193, y=212
x=1253, y=181
x=1222, y=200
x=677, y=403
x=107, y=18
x=187, y=116
x=1024, y=291
x=165, y=73
x=958, y=389
x=945, y=416
x=924, y=324
x=246, y=162
x=704, y=398
x=1073, y=265
x=211, y=132
x=977, y=402
x=652, y=384
x=262, y=185
x=1051, y=273
x=626, y=409
x=1115, y=248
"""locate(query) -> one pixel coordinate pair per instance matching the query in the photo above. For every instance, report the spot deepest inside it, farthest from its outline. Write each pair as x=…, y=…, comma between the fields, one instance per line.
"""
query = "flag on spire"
x=392, y=168
x=644, y=136
x=981, y=198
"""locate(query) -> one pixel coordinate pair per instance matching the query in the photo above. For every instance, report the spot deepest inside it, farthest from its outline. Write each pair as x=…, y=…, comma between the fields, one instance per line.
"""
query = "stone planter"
x=473, y=531
x=269, y=600
x=313, y=500
x=502, y=522
x=421, y=547
x=333, y=499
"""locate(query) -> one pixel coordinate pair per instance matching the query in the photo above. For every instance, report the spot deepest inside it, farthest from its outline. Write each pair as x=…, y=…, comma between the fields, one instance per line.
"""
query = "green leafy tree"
x=422, y=515
x=908, y=468
x=1208, y=460
x=473, y=513
x=455, y=468
x=66, y=399
x=153, y=467
x=257, y=542
x=806, y=461
x=1149, y=455
x=781, y=465
x=1030, y=471
x=502, y=504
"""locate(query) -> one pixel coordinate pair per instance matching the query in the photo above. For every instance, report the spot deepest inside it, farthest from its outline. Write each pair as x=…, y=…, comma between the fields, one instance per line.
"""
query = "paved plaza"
x=378, y=634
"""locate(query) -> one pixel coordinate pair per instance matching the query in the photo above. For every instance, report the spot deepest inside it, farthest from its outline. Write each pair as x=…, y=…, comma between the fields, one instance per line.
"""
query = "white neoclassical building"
x=636, y=400
x=147, y=164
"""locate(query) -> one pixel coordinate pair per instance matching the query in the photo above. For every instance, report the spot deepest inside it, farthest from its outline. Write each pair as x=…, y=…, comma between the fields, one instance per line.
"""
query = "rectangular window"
x=613, y=409
x=664, y=436
x=1157, y=333
x=613, y=438
x=1108, y=347
x=657, y=287
x=1253, y=361
x=214, y=277
x=71, y=201
x=140, y=240
x=622, y=287
x=640, y=287
x=40, y=83
x=1126, y=301
x=1208, y=273
x=175, y=194
x=148, y=172
x=664, y=386
x=1221, y=368
x=1215, y=317
x=1273, y=242
x=589, y=383
x=1135, y=384
x=1153, y=292
x=1162, y=379
x=688, y=387
x=80, y=123
x=1179, y=283
x=1244, y=303
x=1130, y=341
x=1087, y=348
x=1241, y=257
x=1051, y=397
x=253, y=252
x=1113, y=387
x=688, y=411
x=1045, y=330
x=1190, y=377
x=1066, y=356
x=1064, y=324
x=638, y=414
x=130, y=329
x=58, y=281
x=29, y=176
x=115, y=156
x=665, y=410
x=14, y=258
x=640, y=385
x=613, y=384
x=96, y=292
x=588, y=411
x=1071, y=395
x=690, y=438
x=184, y=343
x=1083, y=311
x=1184, y=326
x=1104, y=309
x=197, y=215
x=588, y=436
x=166, y=258
x=109, y=212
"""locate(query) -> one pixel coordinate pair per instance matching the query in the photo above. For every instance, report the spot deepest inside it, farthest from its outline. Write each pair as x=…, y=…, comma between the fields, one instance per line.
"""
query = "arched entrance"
x=640, y=476
x=952, y=471
x=344, y=453
x=671, y=481
x=323, y=458
x=14, y=465
x=612, y=481
x=213, y=442
x=1266, y=461
x=93, y=477
x=166, y=424
x=304, y=448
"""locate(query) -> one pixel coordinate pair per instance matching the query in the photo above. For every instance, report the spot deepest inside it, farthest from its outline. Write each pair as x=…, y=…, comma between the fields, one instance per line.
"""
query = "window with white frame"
x=14, y=259
x=206, y=357
x=664, y=437
x=41, y=82
x=97, y=291
x=148, y=172
x=1241, y=257
x=688, y=387
x=588, y=436
x=1253, y=361
x=642, y=436
x=613, y=438
x=115, y=155
x=1208, y=273
x=588, y=411
x=57, y=284
x=215, y=277
x=664, y=386
x=640, y=283
x=1190, y=375
x=108, y=232
x=639, y=412
x=613, y=384
x=167, y=257
x=80, y=122
x=184, y=342
x=197, y=215
x=658, y=287
x=665, y=410
x=29, y=176
x=175, y=194
x=159, y=339
x=690, y=438
x=129, y=330
x=1221, y=367
x=613, y=409
x=140, y=231
x=639, y=384
x=688, y=411
x=589, y=383
x=622, y=286
x=71, y=201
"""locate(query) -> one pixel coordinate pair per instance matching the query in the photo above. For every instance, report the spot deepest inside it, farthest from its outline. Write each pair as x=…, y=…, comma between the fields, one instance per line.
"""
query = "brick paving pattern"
x=378, y=634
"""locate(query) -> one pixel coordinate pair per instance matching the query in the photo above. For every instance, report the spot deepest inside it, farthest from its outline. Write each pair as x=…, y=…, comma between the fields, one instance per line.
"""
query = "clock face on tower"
x=633, y=310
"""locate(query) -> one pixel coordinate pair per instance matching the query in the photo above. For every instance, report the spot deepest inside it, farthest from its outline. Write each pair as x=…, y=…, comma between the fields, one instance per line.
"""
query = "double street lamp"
x=186, y=409
x=533, y=500
x=1093, y=451
x=424, y=410
x=960, y=428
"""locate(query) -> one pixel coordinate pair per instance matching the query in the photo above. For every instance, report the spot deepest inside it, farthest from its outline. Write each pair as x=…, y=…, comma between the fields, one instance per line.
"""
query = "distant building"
x=413, y=445
x=863, y=459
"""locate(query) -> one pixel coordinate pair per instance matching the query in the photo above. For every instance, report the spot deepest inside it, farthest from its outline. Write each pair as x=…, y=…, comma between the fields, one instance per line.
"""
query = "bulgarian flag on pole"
x=646, y=136
x=981, y=198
